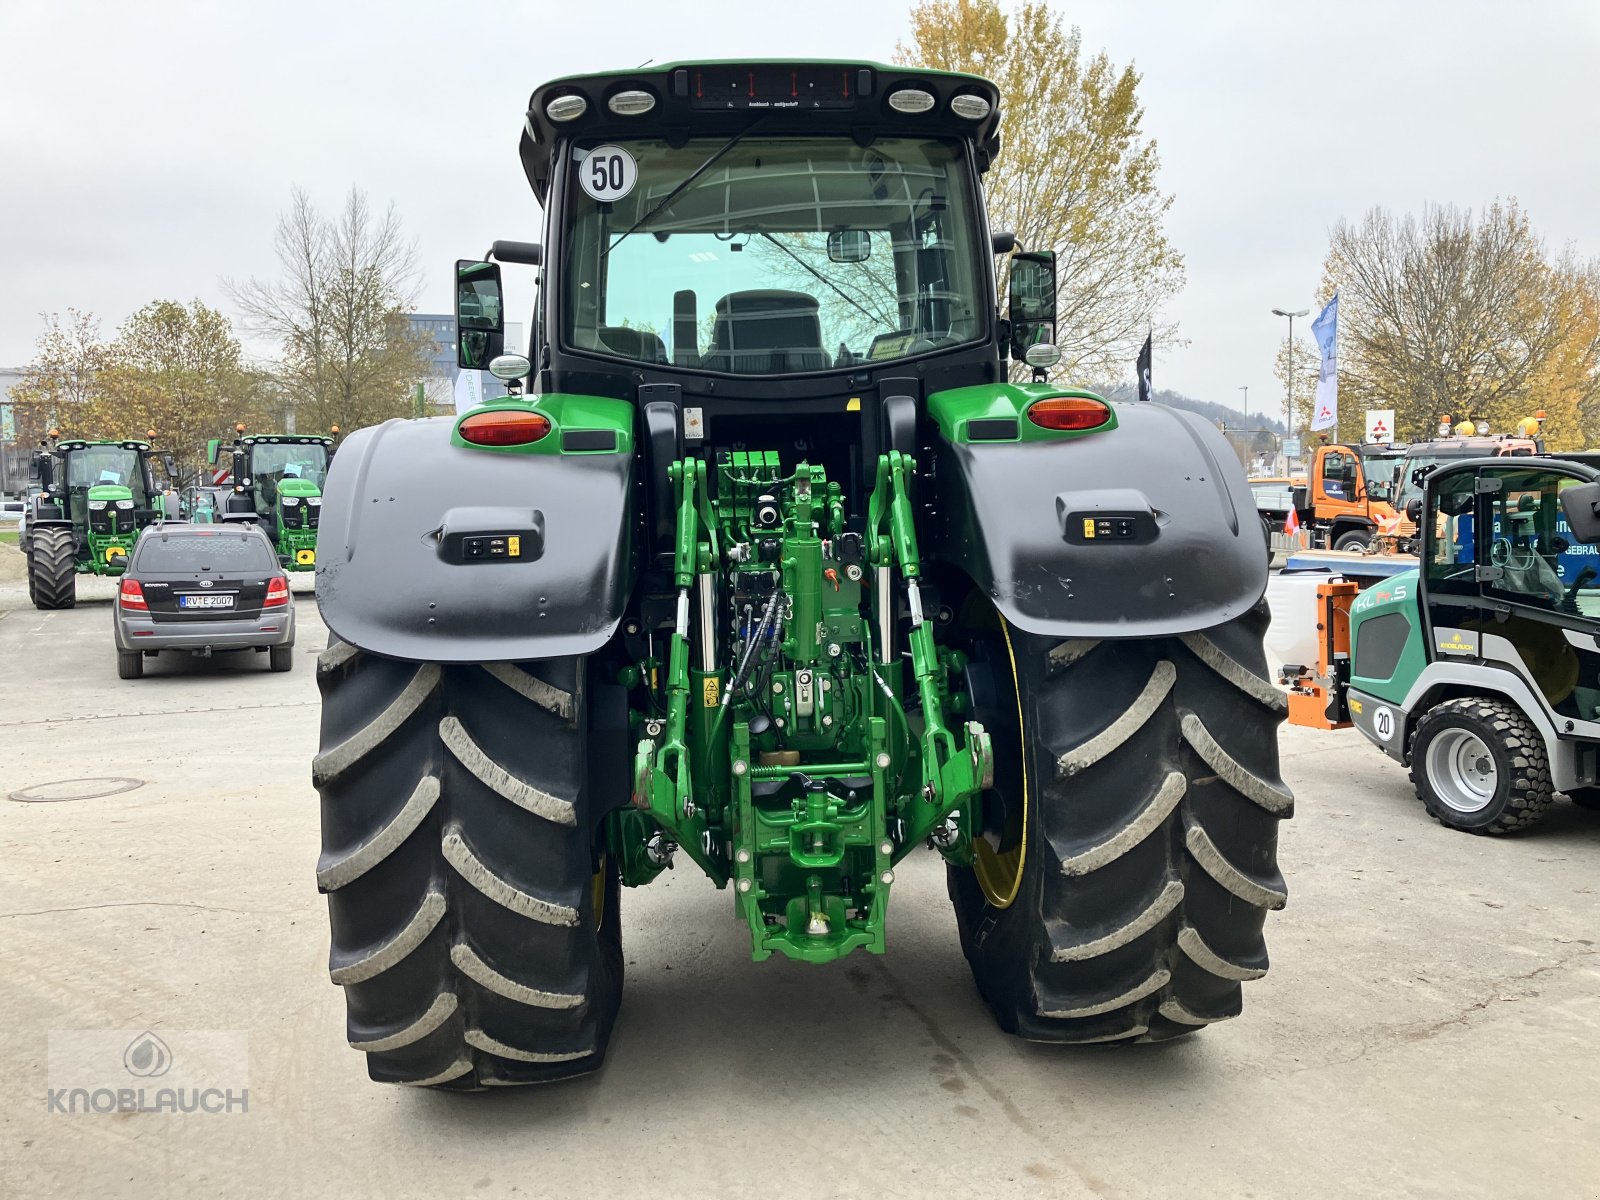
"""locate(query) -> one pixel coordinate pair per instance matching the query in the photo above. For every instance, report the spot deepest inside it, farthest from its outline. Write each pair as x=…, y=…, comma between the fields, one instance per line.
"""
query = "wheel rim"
x=1462, y=770
x=597, y=886
x=999, y=869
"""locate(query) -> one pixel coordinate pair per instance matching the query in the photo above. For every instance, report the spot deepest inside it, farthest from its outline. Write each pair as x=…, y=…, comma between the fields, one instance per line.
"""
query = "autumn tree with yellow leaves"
x=1463, y=314
x=1076, y=173
x=172, y=372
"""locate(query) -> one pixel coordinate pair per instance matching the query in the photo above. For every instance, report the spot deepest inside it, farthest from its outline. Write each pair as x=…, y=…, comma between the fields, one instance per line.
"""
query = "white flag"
x=469, y=390
x=1325, y=409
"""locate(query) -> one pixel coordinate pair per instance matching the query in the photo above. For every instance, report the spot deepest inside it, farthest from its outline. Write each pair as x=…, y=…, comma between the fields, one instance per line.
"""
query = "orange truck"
x=1346, y=495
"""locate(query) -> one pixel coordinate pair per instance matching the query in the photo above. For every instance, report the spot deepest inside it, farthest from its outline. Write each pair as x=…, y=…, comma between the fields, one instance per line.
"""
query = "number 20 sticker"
x=1383, y=723
x=609, y=173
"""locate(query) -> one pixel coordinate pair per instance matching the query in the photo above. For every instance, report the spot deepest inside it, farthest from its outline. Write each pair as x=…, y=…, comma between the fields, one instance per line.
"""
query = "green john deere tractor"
x=773, y=568
x=94, y=499
x=277, y=482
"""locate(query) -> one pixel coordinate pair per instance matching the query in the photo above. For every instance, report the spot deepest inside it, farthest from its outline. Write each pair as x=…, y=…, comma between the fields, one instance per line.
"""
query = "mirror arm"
x=529, y=254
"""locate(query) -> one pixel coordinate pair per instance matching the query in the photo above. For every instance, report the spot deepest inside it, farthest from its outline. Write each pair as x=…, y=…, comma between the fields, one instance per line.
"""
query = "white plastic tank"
x=1293, y=637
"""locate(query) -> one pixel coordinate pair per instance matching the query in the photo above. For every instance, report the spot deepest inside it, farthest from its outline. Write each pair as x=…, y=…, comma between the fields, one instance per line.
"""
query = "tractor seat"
x=641, y=345
x=766, y=332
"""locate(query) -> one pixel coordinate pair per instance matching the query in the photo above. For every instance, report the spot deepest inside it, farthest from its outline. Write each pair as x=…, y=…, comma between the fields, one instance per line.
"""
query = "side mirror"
x=33, y=468
x=1032, y=301
x=1414, y=510
x=1380, y=491
x=170, y=463
x=480, y=314
x=213, y=449
x=849, y=246
x=1581, y=506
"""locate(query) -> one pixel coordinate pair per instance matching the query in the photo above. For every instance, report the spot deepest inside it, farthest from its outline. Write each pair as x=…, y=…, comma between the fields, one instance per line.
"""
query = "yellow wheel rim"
x=1000, y=873
x=598, y=883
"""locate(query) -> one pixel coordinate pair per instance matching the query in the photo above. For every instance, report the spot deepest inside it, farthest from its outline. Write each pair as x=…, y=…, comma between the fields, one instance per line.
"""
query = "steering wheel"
x=1501, y=551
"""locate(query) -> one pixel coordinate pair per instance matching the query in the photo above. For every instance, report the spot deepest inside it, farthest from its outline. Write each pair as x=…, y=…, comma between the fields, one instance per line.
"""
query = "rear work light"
x=973, y=108
x=277, y=592
x=911, y=100
x=566, y=108
x=504, y=427
x=631, y=103
x=132, y=595
x=1069, y=413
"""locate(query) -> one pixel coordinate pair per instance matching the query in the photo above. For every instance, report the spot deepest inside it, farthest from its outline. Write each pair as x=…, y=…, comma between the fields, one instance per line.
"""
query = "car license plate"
x=205, y=601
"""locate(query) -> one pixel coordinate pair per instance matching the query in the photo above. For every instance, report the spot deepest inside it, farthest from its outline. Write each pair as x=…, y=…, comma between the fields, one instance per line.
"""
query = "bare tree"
x=338, y=311
x=1464, y=314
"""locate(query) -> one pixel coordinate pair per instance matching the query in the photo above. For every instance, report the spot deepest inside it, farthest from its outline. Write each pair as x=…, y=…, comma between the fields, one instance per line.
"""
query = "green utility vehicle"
x=1480, y=670
x=94, y=499
x=277, y=481
x=773, y=568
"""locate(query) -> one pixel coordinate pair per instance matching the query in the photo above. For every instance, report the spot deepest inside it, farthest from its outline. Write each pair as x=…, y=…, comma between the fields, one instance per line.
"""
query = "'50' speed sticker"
x=609, y=173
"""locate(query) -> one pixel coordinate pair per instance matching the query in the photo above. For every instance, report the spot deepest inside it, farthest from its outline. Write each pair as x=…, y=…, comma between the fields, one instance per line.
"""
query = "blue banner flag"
x=1325, y=409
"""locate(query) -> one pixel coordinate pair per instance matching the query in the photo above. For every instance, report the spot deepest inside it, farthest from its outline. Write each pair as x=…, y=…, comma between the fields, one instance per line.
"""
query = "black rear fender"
x=1182, y=551
x=406, y=565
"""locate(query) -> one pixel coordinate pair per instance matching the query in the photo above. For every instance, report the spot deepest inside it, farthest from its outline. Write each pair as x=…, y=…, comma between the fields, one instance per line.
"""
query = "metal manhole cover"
x=76, y=789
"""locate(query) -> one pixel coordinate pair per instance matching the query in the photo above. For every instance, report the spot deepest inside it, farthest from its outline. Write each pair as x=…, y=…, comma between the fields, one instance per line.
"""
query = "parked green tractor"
x=277, y=481
x=773, y=568
x=95, y=497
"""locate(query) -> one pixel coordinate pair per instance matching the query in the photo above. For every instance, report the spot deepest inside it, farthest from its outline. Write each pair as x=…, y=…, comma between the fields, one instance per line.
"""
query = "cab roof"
x=82, y=444
x=290, y=439
x=723, y=97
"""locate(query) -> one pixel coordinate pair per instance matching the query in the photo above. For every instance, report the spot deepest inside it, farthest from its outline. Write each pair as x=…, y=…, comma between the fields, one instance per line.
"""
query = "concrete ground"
x=1430, y=1026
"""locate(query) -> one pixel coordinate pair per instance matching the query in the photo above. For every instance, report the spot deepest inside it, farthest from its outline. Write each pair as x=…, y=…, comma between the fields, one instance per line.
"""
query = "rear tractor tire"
x=1479, y=766
x=1124, y=897
x=475, y=930
x=52, y=569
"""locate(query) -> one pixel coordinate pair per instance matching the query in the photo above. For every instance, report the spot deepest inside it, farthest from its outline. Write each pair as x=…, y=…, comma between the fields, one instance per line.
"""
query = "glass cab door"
x=1508, y=582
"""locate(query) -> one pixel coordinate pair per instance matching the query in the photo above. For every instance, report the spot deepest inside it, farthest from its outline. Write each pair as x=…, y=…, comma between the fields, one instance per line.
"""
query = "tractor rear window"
x=205, y=552
x=775, y=256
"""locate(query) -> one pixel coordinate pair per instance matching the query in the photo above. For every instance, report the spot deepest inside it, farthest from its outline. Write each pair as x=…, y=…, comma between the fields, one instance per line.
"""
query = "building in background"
x=13, y=454
x=439, y=388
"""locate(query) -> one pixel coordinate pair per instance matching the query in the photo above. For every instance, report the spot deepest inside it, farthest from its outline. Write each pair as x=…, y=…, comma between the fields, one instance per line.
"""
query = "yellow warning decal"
x=708, y=691
x=853, y=404
x=513, y=546
x=1355, y=707
x=1088, y=527
x=305, y=557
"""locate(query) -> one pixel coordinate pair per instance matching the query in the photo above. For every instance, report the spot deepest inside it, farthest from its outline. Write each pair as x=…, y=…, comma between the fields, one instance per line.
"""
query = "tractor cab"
x=277, y=482
x=725, y=238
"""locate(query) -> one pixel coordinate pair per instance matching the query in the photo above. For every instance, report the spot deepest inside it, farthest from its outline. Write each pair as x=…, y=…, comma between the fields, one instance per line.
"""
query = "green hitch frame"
x=811, y=877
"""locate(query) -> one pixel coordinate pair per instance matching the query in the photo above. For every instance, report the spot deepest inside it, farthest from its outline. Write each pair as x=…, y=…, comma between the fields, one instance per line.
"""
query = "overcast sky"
x=146, y=148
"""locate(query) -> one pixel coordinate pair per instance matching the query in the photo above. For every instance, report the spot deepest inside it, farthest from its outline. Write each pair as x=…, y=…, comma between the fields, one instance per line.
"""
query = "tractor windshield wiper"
x=683, y=186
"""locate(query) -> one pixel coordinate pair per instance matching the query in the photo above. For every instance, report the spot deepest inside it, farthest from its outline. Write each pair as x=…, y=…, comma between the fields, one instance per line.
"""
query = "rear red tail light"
x=504, y=427
x=1070, y=413
x=132, y=595
x=277, y=593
